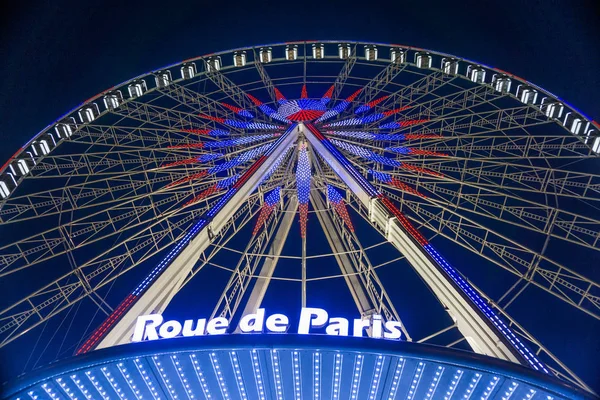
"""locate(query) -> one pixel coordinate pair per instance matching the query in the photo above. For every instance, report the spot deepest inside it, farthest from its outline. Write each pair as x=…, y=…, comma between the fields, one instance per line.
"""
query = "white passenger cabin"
x=397, y=55
x=371, y=52
x=291, y=52
x=188, y=70
x=265, y=54
x=475, y=73
x=162, y=78
x=239, y=58
x=113, y=99
x=344, y=51
x=423, y=60
x=137, y=88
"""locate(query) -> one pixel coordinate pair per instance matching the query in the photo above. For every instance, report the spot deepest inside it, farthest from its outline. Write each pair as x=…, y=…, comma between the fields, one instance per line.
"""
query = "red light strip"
x=394, y=111
x=404, y=221
x=340, y=208
x=217, y=119
x=98, y=333
x=422, y=170
x=409, y=136
x=187, y=146
x=420, y=152
x=353, y=95
x=304, y=93
x=403, y=186
x=249, y=172
x=232, y=108
x=187, y=179
x=205, y=193
x=265, y=212
x=303, y=209
x=181, y=162
x=197, y=131
x=278, y=95
x=329, y=92
x=256, y=101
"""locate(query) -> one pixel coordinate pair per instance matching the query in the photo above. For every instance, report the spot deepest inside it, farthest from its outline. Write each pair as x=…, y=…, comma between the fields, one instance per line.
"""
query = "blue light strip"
x=517, y=344
x=369, y=136
x=367, y=154
x=303, y=174
x=241, y=159
x=236, y=142
x=487, y=311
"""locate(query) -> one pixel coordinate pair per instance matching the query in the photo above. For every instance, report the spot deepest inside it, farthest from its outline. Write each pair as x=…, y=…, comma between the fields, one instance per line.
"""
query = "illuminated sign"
x=312, y=320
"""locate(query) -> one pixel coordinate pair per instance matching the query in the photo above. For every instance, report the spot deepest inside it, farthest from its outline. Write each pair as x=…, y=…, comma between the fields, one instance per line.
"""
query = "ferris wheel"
x=444, y=199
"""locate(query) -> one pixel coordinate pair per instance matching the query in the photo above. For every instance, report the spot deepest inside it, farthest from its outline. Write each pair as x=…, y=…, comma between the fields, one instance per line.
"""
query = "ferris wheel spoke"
x=499, y=207
x=197, y=102
x=264, y=76
x=105, y=193
x=372, y=88
x=362, y=279
x=535, y=268
x=236, y=93
x=510, y=147
x=513, y=176
x=344, y=74
x=70, y=235
x=246, y=267
x=461, y=102
x=91, y=276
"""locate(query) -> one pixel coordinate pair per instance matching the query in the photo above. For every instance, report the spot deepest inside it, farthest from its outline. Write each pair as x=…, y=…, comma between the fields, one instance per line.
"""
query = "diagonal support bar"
x=473, y=324
x=157, y=290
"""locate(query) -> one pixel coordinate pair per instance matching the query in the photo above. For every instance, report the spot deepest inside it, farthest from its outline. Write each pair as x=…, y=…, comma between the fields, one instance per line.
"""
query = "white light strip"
x=277, y=374
x=472, y=385
x=66, y=389
x=396, y=378
x=80, y=386
x=97, y=385
x=146, y=378
x=200, y=376
x=435, y=382
x=530, y=394
x=358, y=364
x=510, y=391
x=317, y=375
x=376, y=377
x=163, y=376
x=130, y=382
x=453, y=384
x=182, y=377
x=47, y=389
x=490, y=388
x=258, y=376
x=219, y=375
x=337, y=375
x=297, y=382
x=113, y=383
x=414, y=385
x=238, y=375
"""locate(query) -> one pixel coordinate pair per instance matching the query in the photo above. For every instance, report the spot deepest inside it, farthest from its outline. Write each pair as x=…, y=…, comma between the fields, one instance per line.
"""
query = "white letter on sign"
x=217, y=326
x=143, y=331
x=253, y=322
x=307, y=320
x=278, y=323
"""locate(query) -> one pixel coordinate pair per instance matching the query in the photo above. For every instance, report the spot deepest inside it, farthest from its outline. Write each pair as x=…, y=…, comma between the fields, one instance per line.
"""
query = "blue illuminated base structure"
x=286, y=367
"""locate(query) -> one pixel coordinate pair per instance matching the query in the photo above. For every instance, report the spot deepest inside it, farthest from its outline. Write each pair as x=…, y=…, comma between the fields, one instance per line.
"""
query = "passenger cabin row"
x=500, y=82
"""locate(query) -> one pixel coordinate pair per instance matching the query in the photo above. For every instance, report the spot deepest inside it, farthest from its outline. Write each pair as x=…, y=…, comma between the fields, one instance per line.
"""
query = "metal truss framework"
x=181, y=172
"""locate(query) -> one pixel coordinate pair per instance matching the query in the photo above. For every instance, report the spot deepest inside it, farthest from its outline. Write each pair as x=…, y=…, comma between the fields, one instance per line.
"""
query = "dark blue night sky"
x=58, y=53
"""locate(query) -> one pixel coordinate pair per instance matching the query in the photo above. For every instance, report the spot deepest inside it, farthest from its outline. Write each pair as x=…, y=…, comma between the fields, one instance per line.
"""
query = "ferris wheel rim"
x=72, y=113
